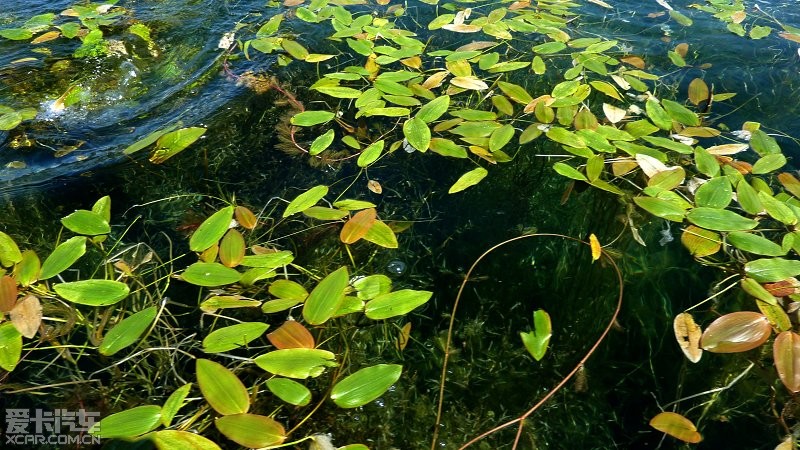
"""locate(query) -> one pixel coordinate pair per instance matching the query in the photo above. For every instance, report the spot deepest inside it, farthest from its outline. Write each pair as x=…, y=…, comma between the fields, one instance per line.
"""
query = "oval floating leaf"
x=182, y=440
x=365, y=385
x=210, y=274
x=289, y=391
x=10, y=346
x=311, y=118
x=233, y=337
x=174, y=403
x=221, y=388
x=27, y=316
x=231, y=248
x=434, y=109
x=469, y=179
x=9, y=251
x=297, y=362
x=326, y=297
x=291, y=334
x=786, y=352
x=93, y=292
x=754, y=243
x=127, y=331
x=306, y=200
x=676, y=426
x=395, y=303
x=251, y=430
x=86, y=222
x=736, y=332
x=8, y=294
x=63, y=257
x=358, y=226
x=719, y=219
x=417, y=133
x=770, y=270
x=211, y=230
x=129, y=423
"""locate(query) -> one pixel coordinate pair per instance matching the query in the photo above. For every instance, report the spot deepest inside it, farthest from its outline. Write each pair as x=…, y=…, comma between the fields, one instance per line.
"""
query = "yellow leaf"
x=469, y=83
x=676, y=426
x=596, y=249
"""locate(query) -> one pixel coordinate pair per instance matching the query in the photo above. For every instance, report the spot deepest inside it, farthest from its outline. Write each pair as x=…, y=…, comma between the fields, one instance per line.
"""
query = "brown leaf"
x=634, y=61
x=375, y=187
x=783, y=288
x=404, y=336
x=358, y=225
x=291, y=334
x=8, y=294
x=786, y=351
x=49, y=36
x=676, y=426
x=27, y=316
x=682, y=49
x=688, y=333
x=698, y=91
x=736, y=332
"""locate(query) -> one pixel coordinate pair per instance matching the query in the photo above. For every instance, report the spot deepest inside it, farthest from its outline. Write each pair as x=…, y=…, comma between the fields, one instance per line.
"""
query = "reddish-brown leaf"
x=358, y=225
x=676, y=426
x=736, y=332
x=688, y=333
x=27, y=316
x=291, y=335
x=783, y=288
x=786, y=351
x=231, y=248
x=8, y=294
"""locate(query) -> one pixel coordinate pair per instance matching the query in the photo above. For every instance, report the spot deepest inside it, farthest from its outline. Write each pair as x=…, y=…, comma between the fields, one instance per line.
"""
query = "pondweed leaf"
x=27, y=316
x=417, y=133
x=676, y=426
x=64, y=256
x=127, y=331
x=233, y=336
x=10, y=346
x=93, y=292
x=786, y=353
x=298, y=363
x=311, y=118
x=326, y=297
x=365, y=385
x=211, y=230
x=289, y=391
x=128, y=423
x=688, y=334
x=251, y=430
x=469, y=179
x=291, y=334
x=736, y=332
x=174, y=142
x=176, y=439
x=221, y=388
x=358, y=226
x=306, y=200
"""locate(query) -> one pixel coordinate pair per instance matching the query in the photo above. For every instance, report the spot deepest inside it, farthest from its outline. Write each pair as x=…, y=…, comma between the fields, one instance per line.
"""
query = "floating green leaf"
x=719, y=219
x=306, y=200
x=395, y=303
x=769, y=163
x=86, y=222
x=174, y=142
x=365, y=385
x=127, y=331
x=93, y=292
x=434, y=109
x=325, y=298
x=469, y=179
x=381, y=234
x=10, y=346
x=289, y=391
x=221, y=388
x=181, y=440
x=211, y=230
x=311, y=118
x=754, y=243
x=715, y=193
x=662, y=208
x=63, y=257
x=174, y=403
x=128, y=423
x=210, y=274
x=233, y=337
x=9, y=252
x=297, y=362
x=322, y=142
x=417, y=133
x=771, y=270
x=251, y=430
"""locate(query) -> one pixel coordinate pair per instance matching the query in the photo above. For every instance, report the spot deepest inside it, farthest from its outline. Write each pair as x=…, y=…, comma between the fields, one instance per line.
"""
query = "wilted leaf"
x=688, y=333
x=27, y=316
